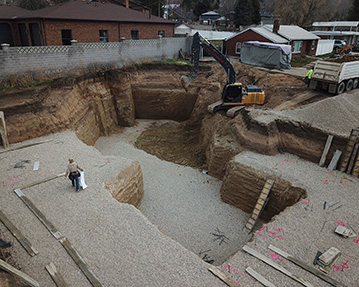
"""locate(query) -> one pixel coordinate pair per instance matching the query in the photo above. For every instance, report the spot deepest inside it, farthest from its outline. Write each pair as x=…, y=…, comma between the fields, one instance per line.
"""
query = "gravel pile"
x=183, y=202
x=334, y=114
x=306, y=227
x=121, y=246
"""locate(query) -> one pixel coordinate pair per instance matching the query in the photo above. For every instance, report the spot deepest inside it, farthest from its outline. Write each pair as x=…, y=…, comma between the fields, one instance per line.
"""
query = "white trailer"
x=335, y=77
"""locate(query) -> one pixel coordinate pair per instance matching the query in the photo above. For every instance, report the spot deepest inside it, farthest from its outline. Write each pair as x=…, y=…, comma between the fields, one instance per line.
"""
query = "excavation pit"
x=183, y=202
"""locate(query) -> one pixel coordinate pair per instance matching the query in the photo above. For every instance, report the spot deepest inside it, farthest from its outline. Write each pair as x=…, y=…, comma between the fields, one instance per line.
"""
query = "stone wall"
x=50, y=61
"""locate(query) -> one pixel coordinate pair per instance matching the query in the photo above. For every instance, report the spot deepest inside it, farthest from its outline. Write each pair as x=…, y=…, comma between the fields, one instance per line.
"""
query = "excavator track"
x=233, y=112
x=213, y=108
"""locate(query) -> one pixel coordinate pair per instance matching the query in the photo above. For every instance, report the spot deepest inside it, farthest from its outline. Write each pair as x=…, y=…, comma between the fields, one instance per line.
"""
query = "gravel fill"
x=121, y=246
x=334, y=114
x=306, y=227
x=183, y=202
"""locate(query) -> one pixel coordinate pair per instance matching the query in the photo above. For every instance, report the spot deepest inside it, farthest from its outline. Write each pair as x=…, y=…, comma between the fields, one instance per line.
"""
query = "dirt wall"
x=96, y=104
x=223, y=138
x=243, y=184
x=127, y=186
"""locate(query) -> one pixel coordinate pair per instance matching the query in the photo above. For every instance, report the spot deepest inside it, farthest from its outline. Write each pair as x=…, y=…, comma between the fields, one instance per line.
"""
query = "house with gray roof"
x=213, y=18
x=338, y=30
x=302, y=41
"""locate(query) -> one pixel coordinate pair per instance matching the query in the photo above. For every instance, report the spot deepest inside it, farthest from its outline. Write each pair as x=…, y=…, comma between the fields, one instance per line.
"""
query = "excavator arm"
x=198, y=42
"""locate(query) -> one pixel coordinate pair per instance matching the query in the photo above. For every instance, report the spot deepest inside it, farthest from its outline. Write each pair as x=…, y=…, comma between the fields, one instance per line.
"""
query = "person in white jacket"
x=73, y=173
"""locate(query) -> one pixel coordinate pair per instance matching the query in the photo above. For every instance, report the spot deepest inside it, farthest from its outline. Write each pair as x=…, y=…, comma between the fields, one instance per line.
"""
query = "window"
x=23, y=34
x=313, y=44
x=66, y=36
x=161, y=33
x=238, y=47
x=35, y=34
x=297, y=46
x=134, y=35
x=223, y=22
x=103, y=36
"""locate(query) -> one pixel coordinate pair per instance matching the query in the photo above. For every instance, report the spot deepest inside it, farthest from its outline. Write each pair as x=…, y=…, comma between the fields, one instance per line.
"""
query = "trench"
x=176, y=140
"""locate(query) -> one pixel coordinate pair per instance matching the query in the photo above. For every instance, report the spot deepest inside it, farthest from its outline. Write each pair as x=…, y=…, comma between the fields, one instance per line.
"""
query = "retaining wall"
x=57, y=59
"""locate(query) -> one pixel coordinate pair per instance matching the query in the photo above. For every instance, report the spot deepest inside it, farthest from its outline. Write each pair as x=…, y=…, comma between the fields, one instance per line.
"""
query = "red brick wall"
x=244, y=37
x=83, y=32
x=307, y=48
x=146, y=30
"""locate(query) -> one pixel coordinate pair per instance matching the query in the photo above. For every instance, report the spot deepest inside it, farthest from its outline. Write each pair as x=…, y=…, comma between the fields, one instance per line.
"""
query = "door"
x=66, y=36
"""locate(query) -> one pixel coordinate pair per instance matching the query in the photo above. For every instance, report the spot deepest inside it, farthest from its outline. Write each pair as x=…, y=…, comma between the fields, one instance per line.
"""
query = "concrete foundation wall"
x=57, y=59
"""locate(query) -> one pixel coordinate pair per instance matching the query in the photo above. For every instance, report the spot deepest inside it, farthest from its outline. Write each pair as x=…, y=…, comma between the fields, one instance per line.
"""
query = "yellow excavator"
x=234, y=95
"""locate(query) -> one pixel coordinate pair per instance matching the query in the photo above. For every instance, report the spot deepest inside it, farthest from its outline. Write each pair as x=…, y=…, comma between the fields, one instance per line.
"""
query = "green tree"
x=354, y=11
x=243, y=13
x=55, y=2
x=154, y=5
x=202, y=6
x=189, y=4
x=33, y=4
x=256, y=13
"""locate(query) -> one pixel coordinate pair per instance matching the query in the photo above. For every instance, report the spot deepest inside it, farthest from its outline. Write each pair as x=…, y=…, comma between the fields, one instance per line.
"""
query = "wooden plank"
x=80, y=262
x=334, y=161
x=50, y=227
x=353, y=158
x=25, y=146
x=326, y=150
x=307, y=267
x=24, y=277
x=259, y=277
x=276, y=266
x=356, y=167
x=18, y=235
x=348, y=150
x=223, y=277
x=42, y=181
x=55, y=275
x=260, y=204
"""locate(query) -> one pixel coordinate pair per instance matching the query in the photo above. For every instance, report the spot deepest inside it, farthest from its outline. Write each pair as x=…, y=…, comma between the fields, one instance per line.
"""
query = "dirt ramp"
x=242, y=185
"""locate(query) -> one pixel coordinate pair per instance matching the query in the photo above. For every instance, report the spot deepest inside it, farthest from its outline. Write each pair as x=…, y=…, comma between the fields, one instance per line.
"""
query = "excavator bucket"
x=185, y=81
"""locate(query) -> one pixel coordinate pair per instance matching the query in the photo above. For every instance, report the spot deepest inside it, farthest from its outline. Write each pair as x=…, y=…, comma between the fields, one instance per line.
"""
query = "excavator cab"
x=232, y=93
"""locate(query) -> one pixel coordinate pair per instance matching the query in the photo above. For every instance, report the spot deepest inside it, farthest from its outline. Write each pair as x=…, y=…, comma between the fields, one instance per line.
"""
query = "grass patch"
x=302, y=60
x=21, y=87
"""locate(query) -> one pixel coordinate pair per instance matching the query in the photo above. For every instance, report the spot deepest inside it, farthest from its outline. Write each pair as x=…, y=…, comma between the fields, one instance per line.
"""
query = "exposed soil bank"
x=96, y=104
x=245, y=132
x=242, y=185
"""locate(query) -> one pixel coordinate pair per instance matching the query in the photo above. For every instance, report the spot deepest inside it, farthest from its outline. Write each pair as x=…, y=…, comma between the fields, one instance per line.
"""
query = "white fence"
x=324, y=47
x=56, y=59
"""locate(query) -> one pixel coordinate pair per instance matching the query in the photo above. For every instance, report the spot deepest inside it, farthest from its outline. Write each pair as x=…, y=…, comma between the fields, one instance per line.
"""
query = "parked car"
x=339, y=44
x=356, y=47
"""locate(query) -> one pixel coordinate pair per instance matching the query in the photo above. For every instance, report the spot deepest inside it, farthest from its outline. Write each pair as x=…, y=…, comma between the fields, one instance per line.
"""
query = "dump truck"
x=335, y=77
x=234, y=94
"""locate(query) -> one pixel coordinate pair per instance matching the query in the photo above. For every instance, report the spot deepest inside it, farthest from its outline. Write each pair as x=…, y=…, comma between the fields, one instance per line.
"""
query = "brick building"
x=79, y=20
x=302, y=41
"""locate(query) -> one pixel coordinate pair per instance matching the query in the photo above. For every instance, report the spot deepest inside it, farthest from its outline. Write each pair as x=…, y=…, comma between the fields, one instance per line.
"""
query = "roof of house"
x=336, y=23
x=210, y=13
x=335, y=33
x=93, y=11
x=213, y=35
x=10, y=12
x=293, y=33
x=273, y=37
